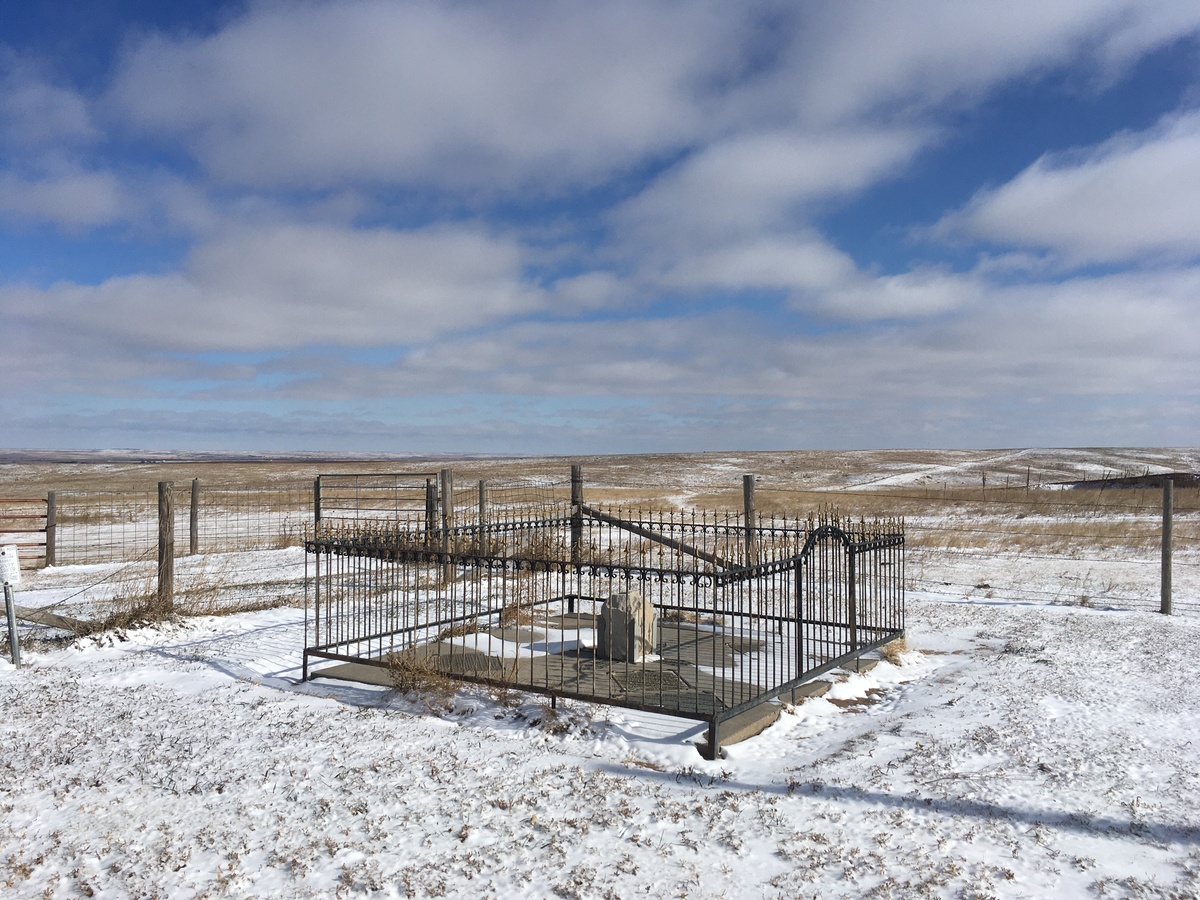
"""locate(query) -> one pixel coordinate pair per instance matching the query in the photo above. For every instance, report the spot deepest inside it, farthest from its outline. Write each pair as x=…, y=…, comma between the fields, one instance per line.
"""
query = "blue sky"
x=581, y=228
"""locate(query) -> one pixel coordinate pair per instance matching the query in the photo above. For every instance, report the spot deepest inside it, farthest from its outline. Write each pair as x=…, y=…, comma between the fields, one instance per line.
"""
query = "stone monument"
x=628, y=627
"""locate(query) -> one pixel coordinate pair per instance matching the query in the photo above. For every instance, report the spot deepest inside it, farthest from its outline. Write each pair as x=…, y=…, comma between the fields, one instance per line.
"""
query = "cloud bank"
x=662, y=224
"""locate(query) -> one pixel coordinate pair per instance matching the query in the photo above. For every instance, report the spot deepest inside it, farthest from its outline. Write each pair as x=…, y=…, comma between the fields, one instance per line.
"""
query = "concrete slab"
x=861, y=665
x=809, y=689
x=356, y=672
x=745, y=725
x=517, y=634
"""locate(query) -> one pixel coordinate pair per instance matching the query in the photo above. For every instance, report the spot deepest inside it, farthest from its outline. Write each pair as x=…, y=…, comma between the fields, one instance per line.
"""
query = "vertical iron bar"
x=446, y=477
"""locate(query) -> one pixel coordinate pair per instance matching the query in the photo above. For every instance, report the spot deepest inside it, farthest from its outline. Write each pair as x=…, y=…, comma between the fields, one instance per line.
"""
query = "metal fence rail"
x=26, y=524
x=562, y=605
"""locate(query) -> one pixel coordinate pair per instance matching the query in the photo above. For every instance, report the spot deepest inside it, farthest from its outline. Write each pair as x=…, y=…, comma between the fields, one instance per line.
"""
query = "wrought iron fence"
x=701, y=617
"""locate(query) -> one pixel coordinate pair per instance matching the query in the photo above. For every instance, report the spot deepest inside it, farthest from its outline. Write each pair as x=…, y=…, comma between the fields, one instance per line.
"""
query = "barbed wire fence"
x=233, y=547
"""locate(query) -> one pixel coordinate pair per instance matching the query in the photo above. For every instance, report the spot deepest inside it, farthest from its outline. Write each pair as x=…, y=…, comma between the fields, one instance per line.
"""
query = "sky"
x=537, y=227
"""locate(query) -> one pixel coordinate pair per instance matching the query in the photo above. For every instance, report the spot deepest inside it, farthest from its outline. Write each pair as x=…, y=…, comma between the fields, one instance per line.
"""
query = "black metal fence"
x=696, y=615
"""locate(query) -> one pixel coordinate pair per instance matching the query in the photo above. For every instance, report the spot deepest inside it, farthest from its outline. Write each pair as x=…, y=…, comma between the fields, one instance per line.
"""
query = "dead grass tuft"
x=894, y=652
x=412, y=671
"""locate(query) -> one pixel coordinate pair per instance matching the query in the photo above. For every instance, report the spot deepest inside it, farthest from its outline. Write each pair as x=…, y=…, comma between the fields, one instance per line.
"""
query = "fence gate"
x=28, y=524
x=850, y=596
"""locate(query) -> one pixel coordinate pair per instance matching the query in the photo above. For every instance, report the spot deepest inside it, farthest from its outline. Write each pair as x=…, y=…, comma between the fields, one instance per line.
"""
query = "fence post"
x=51, y=528
x=316, y=503
x=482, y=544
x=1168, y=503
x=194, y=519
x=446, y=477
x=166, y=547
x=576, y=511
x=431, y=506
x=751, y=518
x=10, y=611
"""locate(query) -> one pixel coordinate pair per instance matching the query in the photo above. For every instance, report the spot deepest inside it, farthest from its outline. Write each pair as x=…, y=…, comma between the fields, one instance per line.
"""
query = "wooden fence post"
x=166, y=548
x=751, y=518
x=431, y=509
x=483, y=543
x=1168, y=503
x=51, y=528
x=316, y=503
x=194, y=519
x=446, y=477
x=576, y=512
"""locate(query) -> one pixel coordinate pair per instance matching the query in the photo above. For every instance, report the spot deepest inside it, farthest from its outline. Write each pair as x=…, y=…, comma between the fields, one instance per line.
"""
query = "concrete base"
x=807, y=690
x=743, y=726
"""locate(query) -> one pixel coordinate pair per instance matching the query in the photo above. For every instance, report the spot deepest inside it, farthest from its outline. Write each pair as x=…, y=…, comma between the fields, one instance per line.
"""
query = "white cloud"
x=750, y=183
x=800, y=262
x=726, y=128
x=1050, y=351
x=592, y=291
x=917, y=293
x=1111, y=336
x=287, y=286
x=909, y=56
x=542, y=96
x=475, y=96
x=69, y=196
x=35, y=113
x=1132, y=197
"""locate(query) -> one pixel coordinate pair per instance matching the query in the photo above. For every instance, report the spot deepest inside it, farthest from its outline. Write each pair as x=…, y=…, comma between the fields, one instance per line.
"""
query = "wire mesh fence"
x=105, y=526
x=1086, y=547
x=240, y=518
x=396, y=496
x=116, y=526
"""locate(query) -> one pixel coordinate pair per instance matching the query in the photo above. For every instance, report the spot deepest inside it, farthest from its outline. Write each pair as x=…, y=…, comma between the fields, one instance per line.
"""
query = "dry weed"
x=413, y=671
x=894, y=652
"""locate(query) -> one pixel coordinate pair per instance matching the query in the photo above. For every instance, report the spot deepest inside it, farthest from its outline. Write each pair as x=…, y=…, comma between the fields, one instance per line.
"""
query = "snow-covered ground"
x=1019, y=750
x=1040, y=739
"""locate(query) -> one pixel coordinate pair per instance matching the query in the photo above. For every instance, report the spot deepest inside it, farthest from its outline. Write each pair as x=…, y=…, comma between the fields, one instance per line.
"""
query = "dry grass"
x=894, y=652
x=412, y=671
